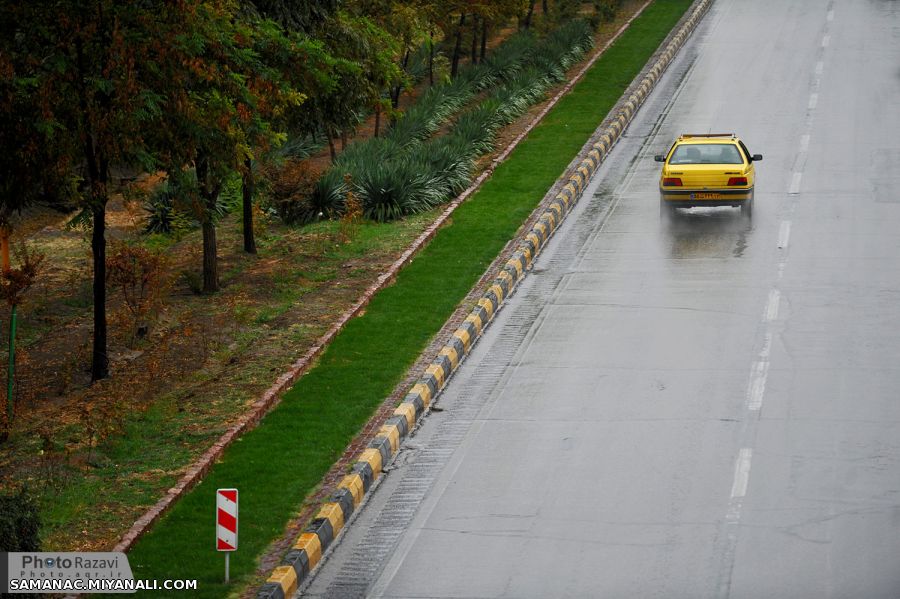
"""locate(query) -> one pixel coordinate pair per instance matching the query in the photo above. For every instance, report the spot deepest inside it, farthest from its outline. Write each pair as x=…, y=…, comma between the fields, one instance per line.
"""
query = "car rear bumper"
x=692, y=198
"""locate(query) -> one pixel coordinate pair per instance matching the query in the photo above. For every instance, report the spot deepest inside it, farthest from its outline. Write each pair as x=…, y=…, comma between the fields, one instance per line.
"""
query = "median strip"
x=284, y=458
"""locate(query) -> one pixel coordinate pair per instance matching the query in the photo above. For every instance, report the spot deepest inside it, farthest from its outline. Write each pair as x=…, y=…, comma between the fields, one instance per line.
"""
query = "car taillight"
x=737, y=180
x=672, y=181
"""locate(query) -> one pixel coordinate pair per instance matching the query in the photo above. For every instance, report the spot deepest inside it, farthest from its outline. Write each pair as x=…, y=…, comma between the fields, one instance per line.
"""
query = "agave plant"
x=297, y=147
x=434, y=107
x=477, y=128
x=327, y=198
x=509, y=58
x=450, y=158
x=165, y=218
x=360, y=154
x=169, y=207
x=390, y=190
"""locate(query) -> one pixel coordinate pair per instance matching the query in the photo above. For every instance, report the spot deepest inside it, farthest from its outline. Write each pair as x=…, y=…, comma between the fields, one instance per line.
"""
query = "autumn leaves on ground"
x=183, y=365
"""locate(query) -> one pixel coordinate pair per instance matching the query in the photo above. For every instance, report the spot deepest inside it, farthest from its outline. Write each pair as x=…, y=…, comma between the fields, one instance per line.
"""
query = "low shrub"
x=170, y=208
x=20, y=522
x=449, y=157
x=325, y=201
x=297, y=147
x=289, y=185
x=508, y=58
x=477, y=127
x=389, y=190
x=174, y=207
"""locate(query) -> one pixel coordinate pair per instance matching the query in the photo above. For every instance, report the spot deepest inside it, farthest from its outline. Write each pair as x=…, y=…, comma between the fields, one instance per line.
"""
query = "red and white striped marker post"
x=226, y=523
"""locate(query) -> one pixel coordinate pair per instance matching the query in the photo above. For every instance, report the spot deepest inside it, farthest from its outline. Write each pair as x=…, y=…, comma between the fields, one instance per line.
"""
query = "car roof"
x=707, y=138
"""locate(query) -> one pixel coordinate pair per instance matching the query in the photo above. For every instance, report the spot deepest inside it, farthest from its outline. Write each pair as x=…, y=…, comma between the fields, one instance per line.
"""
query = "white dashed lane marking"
x=741, y=473
x=784, y=234
x=795, y=183
x=772, y=305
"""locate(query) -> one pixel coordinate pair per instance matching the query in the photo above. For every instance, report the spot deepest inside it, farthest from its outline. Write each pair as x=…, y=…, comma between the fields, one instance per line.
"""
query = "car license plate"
x=705, y=196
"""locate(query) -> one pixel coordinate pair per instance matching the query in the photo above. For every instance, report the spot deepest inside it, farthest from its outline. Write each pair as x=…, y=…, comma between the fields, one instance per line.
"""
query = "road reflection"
x=707, y=233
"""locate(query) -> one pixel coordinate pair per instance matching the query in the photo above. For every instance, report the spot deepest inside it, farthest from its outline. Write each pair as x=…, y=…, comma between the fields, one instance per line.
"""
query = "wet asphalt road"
x=706, y=408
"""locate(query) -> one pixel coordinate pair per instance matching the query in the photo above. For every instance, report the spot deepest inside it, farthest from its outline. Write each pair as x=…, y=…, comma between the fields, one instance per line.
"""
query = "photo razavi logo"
x=70, y=571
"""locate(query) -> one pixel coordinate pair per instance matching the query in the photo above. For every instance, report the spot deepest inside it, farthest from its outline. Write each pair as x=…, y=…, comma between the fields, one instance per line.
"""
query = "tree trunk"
x=99, y=356
x=544, y=8
x=454, y=66
x=473, y=55
x=395, y=93
x=98, y=175
x=484, y=35
x=210, y=194
x=4, y=246
x=210, y=266
x=330, y=135
x=530, y=12
x=248, y=188
x=377, y=117
x=430, y=58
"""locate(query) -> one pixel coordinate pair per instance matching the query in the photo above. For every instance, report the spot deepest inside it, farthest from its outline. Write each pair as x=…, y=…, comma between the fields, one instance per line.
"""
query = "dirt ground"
x=203, y=360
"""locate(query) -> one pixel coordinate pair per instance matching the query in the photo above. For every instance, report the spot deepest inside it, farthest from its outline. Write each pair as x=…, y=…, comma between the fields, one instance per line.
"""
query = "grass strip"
x=285, y=457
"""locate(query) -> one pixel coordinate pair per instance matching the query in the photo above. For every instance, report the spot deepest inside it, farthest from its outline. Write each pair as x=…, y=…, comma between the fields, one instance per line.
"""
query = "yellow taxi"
x=707, y=169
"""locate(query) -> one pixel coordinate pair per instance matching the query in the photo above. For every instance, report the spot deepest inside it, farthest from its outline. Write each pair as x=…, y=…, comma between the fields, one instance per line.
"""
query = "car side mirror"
x=756, y=157
x=661, y=158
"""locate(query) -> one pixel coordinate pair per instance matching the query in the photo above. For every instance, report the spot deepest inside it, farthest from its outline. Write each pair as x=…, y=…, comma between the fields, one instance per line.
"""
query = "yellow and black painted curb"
x=328, y=522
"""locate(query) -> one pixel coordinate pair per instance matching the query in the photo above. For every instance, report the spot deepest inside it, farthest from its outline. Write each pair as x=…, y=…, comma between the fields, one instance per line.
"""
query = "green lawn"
x=277, y=464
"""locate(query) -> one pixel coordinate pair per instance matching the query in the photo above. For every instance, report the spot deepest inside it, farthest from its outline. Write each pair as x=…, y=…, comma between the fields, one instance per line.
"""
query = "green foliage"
x=169, y=209
x=449, y=157
x=405, y=172
x=297, y=147
x=326, y=200
x=173, y=207
x=307, y=16
x=19, y=522
x=362, y=65
x=475, y=128
x=391, y=189
x=605, y=10
x=508, y=59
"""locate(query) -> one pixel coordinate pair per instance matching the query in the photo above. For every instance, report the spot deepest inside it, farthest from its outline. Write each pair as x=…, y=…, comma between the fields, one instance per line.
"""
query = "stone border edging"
x=272, y=396
x=307, y=551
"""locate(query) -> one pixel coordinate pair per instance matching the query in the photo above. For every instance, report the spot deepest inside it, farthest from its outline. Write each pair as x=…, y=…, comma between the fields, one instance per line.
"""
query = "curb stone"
x=307, y=551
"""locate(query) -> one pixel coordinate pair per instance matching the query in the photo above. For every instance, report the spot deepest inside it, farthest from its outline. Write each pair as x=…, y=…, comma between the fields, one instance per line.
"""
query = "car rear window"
x=706, y=154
